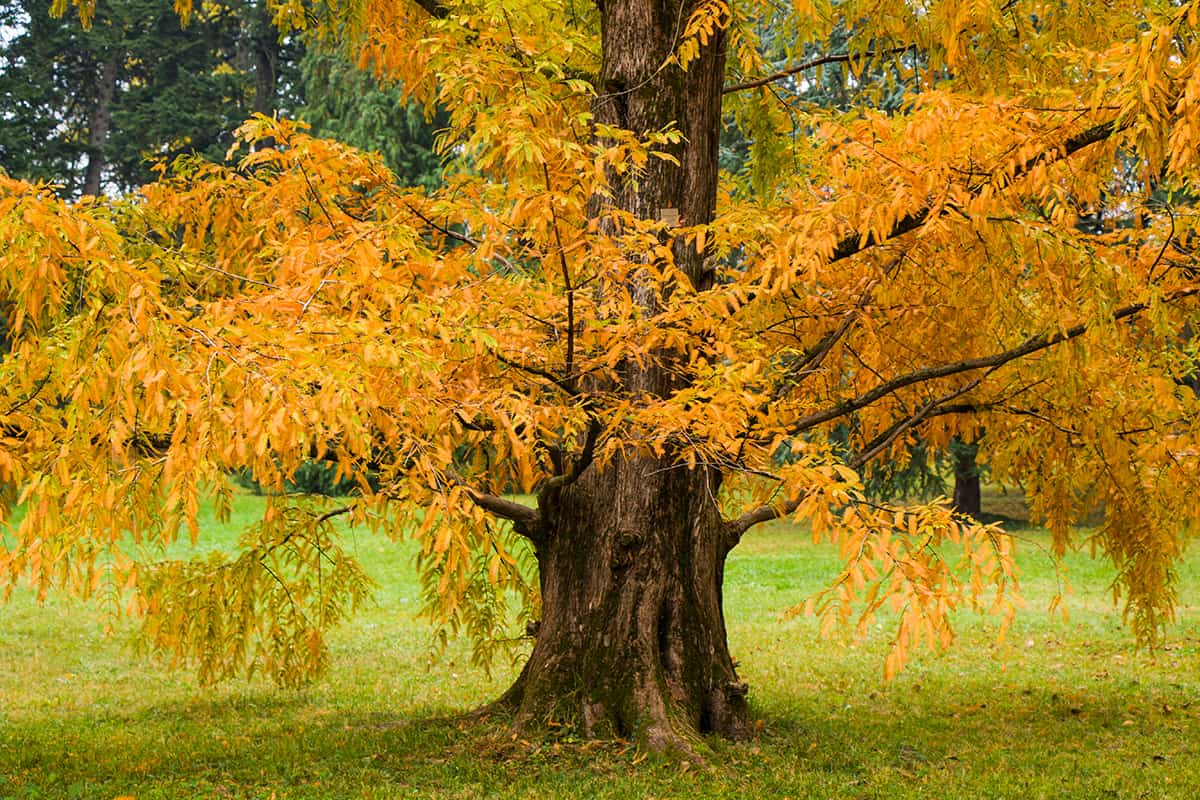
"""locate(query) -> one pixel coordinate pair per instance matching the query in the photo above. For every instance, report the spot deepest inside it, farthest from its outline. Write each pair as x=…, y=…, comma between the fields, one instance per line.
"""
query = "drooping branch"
x=855, y=243
x=526, y=521
x=836, y=58
x=1031, y=345
x=939, y=406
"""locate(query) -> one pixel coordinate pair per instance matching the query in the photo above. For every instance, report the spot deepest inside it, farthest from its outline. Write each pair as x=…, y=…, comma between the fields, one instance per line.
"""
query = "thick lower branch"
x=735, y=529
x=436, y=10
x=526, y=521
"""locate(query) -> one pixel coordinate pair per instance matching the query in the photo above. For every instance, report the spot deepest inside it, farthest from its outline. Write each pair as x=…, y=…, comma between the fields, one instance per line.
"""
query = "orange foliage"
x=920, y=273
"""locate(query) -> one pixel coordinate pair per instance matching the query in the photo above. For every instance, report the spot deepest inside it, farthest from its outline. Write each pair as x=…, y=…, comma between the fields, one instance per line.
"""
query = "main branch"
x=855, y=243
x=1028, y=347
x=737, y=527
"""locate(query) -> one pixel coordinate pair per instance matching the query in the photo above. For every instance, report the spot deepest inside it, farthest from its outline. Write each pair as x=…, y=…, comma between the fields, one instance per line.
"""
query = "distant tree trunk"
x=98, y=126
x=266, y=71
x=631, y=556
x=264, y=60
x=967, y=494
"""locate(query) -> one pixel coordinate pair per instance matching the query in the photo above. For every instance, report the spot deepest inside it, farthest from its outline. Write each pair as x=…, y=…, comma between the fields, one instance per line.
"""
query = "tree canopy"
x=587, y=310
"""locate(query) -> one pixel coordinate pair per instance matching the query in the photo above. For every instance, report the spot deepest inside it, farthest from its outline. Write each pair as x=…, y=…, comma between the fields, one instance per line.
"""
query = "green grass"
x=1063, y=708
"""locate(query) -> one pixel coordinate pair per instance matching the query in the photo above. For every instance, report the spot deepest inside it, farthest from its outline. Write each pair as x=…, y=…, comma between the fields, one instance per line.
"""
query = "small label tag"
x=669, y=215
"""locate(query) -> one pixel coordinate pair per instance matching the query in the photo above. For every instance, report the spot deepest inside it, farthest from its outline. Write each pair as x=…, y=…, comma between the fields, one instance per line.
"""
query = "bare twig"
x=836, y=58
x=455, y=235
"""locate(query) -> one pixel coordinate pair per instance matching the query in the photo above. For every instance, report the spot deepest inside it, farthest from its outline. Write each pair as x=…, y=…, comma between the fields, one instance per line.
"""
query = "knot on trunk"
x=625, y=544
x=735, y=689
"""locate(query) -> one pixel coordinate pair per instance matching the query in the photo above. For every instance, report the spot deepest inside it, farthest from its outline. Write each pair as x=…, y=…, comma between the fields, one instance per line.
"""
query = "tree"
x=967, y=491
x=588, y=310
x=95, y=108
x=348, y=104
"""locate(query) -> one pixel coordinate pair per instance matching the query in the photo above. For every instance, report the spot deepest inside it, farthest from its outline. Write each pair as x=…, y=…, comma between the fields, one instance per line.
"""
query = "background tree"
x=97, y=107
x=346, y=103
x=101, y=105
x=565, y=314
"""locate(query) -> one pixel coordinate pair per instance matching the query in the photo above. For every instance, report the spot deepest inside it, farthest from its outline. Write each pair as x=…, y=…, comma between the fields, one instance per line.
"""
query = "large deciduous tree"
x=657, y=352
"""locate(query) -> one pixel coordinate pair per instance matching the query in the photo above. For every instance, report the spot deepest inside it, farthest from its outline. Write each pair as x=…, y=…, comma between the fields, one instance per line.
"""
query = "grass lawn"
x=1062, y=709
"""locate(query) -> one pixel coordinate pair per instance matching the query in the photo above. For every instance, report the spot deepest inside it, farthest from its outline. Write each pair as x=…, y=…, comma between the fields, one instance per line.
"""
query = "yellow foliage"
x=920, y=273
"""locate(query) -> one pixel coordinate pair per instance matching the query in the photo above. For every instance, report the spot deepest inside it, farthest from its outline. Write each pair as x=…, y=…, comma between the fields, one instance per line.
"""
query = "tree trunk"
x=631, y=555
x=266, y=69
x=264, y=59
x=639, y=92
x=632, y=638
x=967, y=494
x=98, y=124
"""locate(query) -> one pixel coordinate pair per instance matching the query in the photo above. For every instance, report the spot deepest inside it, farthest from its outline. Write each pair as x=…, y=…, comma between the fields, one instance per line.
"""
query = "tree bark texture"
x=638, y=93
x=99, y=123
x=632, y=641
x=266, y=70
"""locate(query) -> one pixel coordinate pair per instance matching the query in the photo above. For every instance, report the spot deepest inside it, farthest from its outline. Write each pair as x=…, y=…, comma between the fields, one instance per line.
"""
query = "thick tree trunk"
x=262, y=42
x=641, y=93
x=632, y=638
x=98, y=124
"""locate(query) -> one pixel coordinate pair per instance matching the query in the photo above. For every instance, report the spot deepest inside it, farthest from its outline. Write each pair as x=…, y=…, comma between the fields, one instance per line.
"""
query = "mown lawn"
x=1061, y=709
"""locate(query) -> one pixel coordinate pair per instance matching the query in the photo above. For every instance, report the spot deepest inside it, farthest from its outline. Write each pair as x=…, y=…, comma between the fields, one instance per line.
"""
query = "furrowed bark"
x=632, y=639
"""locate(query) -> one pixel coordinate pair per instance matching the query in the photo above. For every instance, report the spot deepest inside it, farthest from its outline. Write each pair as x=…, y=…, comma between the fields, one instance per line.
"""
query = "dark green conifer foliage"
x=346, y=103
x=135, y=88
